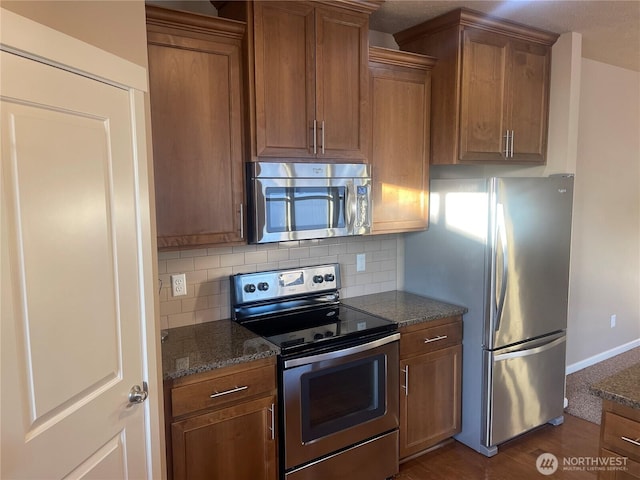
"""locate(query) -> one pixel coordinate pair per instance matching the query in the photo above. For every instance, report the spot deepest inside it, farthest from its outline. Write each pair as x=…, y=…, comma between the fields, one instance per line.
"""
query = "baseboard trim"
x=587, y=362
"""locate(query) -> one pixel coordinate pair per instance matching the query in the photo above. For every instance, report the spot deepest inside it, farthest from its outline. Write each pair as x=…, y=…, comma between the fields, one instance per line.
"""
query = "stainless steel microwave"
x=296, y=201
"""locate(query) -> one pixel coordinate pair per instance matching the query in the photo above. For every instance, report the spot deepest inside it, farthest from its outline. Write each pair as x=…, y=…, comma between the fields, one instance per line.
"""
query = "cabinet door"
x=233, y=443
x=528, y=100
x=400, y=100
x=622, y=468
x=342, y=83
x=195, y=101
x=284, y=79
x=429, y=399
x=483, y=112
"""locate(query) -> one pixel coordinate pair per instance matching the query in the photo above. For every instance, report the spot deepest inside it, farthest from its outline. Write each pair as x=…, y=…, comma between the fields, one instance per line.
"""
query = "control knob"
x=329, y=277
x=249, y=288
x=318, y=279
x=263, y=286
x=318, y=336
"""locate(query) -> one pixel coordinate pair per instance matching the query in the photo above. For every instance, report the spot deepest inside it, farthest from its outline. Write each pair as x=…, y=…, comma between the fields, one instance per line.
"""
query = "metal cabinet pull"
x=272, y=428
x=241, y=220
x=631, y=441
x=435, y=339
x=227, y=392
x=315, y=136
x=512, y=136
x=506, y=144
x=405, y=370
x=322, y=145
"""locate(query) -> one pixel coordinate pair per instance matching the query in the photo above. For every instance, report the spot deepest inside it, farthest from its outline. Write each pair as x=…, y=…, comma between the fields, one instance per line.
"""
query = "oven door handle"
x=296, y=362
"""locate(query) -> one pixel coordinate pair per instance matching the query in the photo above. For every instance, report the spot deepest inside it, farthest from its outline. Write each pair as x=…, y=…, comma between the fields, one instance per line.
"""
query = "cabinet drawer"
x=430, y=339
x=622, y=435
x=219, y=391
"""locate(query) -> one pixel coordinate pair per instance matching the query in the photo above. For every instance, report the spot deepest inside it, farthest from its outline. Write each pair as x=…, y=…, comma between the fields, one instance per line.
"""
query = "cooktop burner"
x=299, y=309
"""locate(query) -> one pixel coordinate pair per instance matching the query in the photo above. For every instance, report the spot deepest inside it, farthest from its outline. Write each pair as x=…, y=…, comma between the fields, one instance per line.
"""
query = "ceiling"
x=610, y=28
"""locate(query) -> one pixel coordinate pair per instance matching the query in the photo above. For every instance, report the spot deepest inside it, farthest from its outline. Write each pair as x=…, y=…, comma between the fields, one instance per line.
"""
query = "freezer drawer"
x=526, y=387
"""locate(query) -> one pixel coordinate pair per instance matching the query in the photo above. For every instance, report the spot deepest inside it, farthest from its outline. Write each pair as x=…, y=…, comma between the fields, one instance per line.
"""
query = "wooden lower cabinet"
x=620, y=440
x=431, y=378
x=221, y=425
x=233, y=443
x=624, y=467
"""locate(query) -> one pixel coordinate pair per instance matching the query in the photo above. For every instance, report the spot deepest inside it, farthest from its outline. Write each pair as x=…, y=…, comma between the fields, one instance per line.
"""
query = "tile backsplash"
x=207, y=271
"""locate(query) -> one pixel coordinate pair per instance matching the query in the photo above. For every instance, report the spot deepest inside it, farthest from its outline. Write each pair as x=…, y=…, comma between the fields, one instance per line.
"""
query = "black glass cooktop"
x=319, y=327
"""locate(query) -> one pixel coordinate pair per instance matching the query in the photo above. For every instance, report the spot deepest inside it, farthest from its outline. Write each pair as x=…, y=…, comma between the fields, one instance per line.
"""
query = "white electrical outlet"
x=361, y=262
x=614, y=317
x=179, y=284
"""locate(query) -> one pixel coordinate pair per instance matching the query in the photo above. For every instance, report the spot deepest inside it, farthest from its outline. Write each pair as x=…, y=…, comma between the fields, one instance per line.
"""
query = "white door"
x=72, y=302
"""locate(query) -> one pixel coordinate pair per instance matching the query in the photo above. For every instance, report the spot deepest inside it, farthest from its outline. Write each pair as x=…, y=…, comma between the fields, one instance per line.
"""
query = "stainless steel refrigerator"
x=500, y=247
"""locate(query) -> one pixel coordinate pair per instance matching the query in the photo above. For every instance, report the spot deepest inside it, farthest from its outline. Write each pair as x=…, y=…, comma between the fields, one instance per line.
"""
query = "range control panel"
x=275, y=284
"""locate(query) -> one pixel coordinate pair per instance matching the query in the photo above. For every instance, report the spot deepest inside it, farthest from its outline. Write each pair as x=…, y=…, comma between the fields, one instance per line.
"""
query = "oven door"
x=334, y=400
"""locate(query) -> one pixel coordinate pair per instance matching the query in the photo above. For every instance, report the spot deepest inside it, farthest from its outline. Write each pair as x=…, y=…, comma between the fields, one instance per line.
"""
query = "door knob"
x=138, y=394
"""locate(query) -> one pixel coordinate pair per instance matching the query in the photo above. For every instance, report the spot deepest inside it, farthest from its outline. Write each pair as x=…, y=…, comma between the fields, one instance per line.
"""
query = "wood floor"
x=516, y=460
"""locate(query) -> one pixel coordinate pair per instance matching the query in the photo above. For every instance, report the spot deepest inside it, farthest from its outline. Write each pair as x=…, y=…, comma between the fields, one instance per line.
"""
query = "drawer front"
x=622, y=435
x=430, y=339
x=222, y=390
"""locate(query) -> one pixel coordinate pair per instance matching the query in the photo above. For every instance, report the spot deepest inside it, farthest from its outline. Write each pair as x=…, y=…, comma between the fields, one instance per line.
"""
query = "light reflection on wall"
x=467, y=213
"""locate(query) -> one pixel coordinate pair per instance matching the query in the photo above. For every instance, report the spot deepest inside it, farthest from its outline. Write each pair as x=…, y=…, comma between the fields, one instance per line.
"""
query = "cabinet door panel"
x=197, y=141
x=342, y=83
x=483, y=121
x=430, y=412
x=230, y=444
x=285, y=77
x=627, y=469
x=529, y=94
x=400, y=149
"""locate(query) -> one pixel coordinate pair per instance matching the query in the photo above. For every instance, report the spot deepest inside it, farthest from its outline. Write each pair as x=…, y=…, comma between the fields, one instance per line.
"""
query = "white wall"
x=605, y=263
x=117, y=27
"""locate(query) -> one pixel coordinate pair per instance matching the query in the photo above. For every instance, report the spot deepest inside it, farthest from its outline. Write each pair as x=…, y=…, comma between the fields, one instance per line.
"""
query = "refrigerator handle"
x=531, y=351
x=502, y=236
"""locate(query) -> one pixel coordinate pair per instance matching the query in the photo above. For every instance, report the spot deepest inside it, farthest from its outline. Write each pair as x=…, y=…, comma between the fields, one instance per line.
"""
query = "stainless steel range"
x=338, y=374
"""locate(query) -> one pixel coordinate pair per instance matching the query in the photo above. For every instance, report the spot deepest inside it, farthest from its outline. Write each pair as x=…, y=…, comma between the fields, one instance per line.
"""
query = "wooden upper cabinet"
x=195, y=91
x=490, y=87
x=308, y=84
x=342, y=83
x=284, y=79
x=400, y=105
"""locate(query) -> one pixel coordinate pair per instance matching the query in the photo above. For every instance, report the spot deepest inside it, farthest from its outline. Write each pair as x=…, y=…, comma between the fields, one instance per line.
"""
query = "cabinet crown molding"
x=194, y=22
x=367, y=6
x=465, y=17
x=401, y=58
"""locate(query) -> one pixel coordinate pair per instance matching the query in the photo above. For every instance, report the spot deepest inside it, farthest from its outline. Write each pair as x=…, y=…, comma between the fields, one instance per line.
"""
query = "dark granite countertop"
x=218, y=344
x=623, y=387
x=209, y=346
x=404, y=308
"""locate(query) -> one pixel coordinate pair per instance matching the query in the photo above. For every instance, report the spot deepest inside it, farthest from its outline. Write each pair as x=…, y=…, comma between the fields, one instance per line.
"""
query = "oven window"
x=304, y=208
x=341, y=397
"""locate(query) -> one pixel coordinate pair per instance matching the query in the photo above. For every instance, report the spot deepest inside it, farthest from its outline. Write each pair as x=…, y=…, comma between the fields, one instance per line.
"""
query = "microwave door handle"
x=350, y=206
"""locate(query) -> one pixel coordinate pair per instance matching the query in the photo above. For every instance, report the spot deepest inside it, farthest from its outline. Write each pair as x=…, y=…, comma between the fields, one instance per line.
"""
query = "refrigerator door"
x=525, y=387
x=530, y=234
